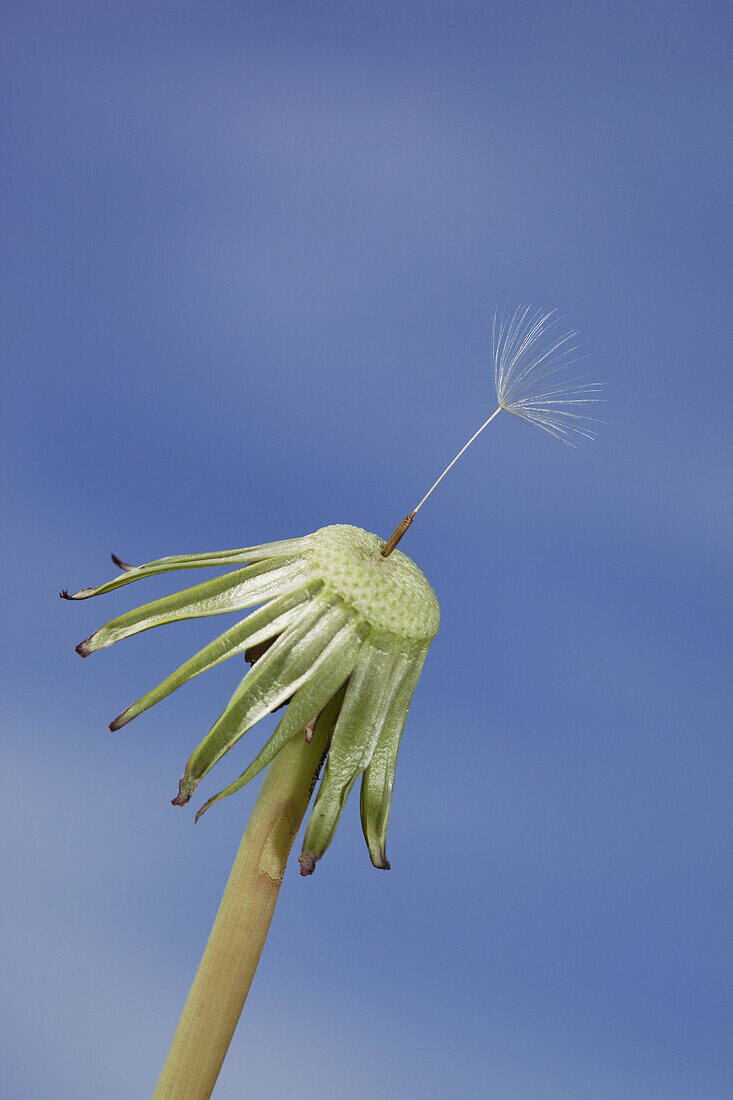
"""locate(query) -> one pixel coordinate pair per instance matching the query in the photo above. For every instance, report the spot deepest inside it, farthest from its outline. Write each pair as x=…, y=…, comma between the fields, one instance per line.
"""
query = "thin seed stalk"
x=226, y=970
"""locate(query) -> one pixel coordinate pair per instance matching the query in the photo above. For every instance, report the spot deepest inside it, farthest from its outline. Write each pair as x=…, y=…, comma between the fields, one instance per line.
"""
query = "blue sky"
x=252, y=252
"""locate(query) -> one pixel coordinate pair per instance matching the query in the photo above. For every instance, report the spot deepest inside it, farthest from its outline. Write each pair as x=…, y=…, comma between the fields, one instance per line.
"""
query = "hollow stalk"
x=226, y=970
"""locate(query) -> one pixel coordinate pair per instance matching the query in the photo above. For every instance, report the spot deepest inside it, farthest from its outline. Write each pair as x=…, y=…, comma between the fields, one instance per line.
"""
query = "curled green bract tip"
x=343, y=633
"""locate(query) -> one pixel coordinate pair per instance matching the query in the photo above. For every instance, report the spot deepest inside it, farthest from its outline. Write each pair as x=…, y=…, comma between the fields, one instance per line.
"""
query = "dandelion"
x=342, y=628
x=343, y=635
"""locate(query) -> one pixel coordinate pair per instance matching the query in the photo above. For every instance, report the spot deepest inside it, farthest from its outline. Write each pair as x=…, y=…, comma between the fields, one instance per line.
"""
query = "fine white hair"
x=531, y=358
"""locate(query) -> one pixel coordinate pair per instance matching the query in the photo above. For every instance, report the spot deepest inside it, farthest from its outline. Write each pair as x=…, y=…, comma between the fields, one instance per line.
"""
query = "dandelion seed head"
x=532, y=358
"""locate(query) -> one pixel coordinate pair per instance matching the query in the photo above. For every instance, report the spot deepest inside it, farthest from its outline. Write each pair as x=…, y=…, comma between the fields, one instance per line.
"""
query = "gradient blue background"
x=252, y=251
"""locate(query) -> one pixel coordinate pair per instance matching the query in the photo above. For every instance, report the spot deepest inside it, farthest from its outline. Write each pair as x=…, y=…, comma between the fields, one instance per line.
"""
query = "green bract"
x=344, y=631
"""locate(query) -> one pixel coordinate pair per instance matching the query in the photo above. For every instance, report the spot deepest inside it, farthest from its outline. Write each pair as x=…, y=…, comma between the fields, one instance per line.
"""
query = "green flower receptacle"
x=347, y=632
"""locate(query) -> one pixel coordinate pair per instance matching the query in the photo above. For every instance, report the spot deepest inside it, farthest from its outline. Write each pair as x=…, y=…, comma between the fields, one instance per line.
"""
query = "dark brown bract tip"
x=380, y=860
x=123, y=565
x=186, y=787
x=307, y=865
x=83, y=648
x=82, y=594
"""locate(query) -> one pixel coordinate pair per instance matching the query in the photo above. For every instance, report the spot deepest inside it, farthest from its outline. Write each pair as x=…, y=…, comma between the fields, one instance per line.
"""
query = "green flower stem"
x=220, y=988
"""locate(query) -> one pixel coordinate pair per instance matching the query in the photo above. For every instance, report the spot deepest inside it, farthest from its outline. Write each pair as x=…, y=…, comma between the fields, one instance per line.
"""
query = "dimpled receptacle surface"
x=391, y=593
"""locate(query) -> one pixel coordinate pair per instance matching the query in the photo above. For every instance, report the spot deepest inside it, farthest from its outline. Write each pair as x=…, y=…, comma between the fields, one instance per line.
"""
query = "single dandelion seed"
x=531, y=359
